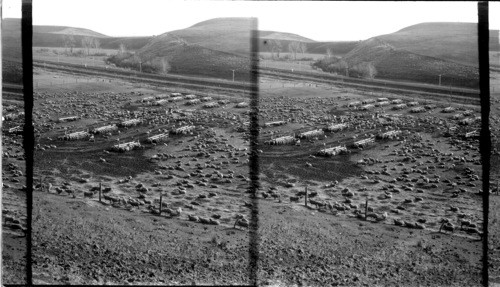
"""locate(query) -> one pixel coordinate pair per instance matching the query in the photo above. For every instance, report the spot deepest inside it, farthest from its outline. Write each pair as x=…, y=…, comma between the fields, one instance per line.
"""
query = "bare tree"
x=87, y=43
x=372, y=72
x=328, y=52
x=276, y=47
x=165, y=65
x=69, y=41
x=294, y=48
x=303, y=48
x=343, y=66
x=270, y=47
x=84, y=43
x=122, y=48
x=97, y=44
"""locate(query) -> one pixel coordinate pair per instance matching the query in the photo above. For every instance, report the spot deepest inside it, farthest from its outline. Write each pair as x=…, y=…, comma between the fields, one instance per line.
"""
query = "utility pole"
x=233, y=74
x=140, y=67
x=440, y=80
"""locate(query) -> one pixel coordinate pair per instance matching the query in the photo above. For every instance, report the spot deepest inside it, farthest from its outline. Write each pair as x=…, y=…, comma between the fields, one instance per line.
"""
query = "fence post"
x=366, y=207
x=160, y=201
x=306, y=196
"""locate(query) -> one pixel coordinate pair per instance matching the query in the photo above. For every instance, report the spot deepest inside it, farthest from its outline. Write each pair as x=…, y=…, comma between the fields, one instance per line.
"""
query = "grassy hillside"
x=69, y=30
x=392, y=63
x=418, y=53
x=53, y=36
x=337, y=48
x=272, y=35
x=210, y=48
x=455, y=42
x=171, y=54
x=11, y=51
x=230, y=35
x=131, y=43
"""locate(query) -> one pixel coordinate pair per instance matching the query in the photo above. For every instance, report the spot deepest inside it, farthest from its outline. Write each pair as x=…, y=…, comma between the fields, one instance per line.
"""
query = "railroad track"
x=372, y=82
x=373, y=85
x=171, y=80
x=12, y=88
x=437, y=92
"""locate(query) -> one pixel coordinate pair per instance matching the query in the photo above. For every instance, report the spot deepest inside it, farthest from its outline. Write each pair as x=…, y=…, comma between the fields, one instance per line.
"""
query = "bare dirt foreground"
x=13, y=192
x=415, y=180
x=494, y=210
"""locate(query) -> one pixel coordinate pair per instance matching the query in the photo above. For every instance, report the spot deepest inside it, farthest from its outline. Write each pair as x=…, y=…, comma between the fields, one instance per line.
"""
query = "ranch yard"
x=397, y=204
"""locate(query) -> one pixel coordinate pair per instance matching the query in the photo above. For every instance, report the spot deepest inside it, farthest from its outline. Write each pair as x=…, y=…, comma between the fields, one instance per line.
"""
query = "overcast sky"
x=321, y=21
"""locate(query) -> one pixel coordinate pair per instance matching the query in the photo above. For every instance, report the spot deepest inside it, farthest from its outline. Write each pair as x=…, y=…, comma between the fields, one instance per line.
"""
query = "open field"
x=426, y=174
x=59, y=55
x=288, y=65
x=461, y=95
x=300, y=56
x=64, y=51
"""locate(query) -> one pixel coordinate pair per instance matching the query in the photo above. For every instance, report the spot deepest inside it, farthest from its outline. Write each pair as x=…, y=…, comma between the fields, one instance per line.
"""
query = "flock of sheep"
x=367, y=119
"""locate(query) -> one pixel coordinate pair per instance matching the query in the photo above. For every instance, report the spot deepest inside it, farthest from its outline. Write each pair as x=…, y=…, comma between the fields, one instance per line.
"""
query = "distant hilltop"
x=213, y=47
x=426, y=52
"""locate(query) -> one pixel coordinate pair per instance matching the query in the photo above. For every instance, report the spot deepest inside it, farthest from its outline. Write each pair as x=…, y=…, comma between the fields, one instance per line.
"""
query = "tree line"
x=87, y=43
x=342, y=67
x=294, y=47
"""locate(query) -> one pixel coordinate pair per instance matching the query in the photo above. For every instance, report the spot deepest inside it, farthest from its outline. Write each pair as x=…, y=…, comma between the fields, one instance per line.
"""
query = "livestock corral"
x=114, y=155
x=383, y=167
x=348, y=195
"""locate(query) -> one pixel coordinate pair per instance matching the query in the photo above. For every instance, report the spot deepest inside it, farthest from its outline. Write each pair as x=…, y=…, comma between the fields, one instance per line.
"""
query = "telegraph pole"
x=440, y=80
x=233, y=74
x=140, y=67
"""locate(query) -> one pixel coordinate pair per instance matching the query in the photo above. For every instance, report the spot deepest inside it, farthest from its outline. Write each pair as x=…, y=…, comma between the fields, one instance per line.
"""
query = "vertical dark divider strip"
x=485, y=142
x=254, y=158
x=28, y=135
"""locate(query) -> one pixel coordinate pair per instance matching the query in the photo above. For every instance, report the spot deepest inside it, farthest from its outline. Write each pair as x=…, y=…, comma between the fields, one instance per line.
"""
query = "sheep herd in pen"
x=209, y=162
x=410, y=171
x=416, y=166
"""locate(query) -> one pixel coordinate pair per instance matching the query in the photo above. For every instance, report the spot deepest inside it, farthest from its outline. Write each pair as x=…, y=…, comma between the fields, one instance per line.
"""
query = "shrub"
x=339, y=66
x=128, y=60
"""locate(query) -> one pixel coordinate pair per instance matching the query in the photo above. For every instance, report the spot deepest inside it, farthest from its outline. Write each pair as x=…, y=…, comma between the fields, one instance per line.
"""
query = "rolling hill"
x=232, y=35
x=400, y=64
x=455, y=42
x=169, y=53
x=215, y=47
x=421, y=53
x=212, y=48
x=53, y=36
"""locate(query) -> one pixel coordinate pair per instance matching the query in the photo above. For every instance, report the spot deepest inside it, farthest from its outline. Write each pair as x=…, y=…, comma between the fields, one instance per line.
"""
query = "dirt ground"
x=13, y=195
x=494, y=214
x=419, y=177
